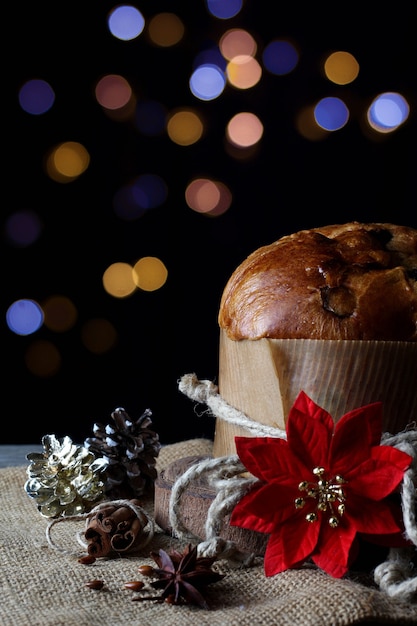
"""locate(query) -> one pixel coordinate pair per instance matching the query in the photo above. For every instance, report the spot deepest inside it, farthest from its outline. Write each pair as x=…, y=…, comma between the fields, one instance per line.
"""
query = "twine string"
x=206, y=392
x=224, y=472
x=395, y=576
x=406, y=441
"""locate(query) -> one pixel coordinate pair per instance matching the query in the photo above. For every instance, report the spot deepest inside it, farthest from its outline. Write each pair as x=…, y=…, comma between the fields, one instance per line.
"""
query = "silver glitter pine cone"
x=64, y=479
x=130, y=448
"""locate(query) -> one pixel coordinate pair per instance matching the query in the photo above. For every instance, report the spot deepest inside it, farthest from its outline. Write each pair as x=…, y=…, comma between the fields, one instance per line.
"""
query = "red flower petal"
x=401, y=460
x=356, y=432
x=254, y=510
x=373, y=518
x=380, y=475
x=269, y=458
x=336, y=549
x=309, y=431
x=291, y=546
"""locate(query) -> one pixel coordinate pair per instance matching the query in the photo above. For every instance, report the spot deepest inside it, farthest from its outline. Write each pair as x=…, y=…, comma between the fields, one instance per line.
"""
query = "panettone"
x=342, y=281
x=331, y=311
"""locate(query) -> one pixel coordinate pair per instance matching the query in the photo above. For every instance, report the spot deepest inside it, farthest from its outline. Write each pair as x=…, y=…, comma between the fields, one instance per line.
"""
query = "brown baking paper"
x=263, y=377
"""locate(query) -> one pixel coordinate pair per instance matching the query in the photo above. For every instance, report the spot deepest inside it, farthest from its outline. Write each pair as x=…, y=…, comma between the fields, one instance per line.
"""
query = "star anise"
x=182, y=576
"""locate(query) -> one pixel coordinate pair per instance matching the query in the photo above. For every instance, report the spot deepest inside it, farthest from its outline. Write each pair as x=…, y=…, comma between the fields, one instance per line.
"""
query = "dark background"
x=289, y=184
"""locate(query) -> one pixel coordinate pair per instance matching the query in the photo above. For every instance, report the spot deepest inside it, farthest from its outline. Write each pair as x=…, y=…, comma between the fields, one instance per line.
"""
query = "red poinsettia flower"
x=322, y=487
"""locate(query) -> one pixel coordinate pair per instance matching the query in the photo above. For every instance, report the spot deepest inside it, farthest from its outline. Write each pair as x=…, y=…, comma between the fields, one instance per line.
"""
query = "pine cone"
x=130, y=449
x=65, y=479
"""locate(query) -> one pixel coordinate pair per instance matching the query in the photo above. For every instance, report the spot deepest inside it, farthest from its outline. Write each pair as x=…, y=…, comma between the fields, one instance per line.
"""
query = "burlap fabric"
x=41, y=586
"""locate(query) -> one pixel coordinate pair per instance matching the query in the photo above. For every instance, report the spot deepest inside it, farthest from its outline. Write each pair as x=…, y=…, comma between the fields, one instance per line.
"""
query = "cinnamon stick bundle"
x=114, y=528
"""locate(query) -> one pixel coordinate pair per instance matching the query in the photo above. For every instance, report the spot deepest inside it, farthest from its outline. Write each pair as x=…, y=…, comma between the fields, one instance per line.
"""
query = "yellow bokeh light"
x=165, y=29
x=150, y=273
x=98, y=335
x=71, y=159
x=43, y=359
x=185, y=127
x=67, y=162
x=118, y=280
x=341, y=68
x=60, y=313
x=307, y=126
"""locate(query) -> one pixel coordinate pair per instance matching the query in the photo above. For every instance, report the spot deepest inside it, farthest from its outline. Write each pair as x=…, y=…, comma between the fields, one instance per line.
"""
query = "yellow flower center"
x=329, y=494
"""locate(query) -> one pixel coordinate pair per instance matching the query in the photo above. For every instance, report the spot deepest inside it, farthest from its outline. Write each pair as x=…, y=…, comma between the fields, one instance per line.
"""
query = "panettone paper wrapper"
x=263, y=377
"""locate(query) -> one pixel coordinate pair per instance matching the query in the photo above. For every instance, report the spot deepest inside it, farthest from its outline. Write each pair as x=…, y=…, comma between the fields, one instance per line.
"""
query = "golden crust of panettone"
x=340, y=281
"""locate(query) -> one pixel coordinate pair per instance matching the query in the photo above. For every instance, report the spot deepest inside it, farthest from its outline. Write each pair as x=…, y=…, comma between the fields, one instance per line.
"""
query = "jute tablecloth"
x=42, y=586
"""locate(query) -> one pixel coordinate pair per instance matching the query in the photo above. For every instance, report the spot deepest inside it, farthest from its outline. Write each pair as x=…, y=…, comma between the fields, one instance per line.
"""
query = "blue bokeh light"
x=224, y=9
x=149, y=191
x=24, y=317
x=23, y=228
x=126, y=22
x=146, y=192
x=36, y=97
x=280, y=57
x=210, y=55
x=207, y=82
x=389, y=110
x=331, y=113
x=150, y=117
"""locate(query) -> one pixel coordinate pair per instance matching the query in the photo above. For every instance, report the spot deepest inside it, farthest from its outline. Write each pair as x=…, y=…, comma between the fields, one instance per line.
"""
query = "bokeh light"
x=113, y=92
x=210, y=54
x=99, y=335
x=207, y=196
x=388, y=112
x=184, y=127
x=244, y=129
x=150, y=117
x=126, y=22
x=60, y=313
x=341, y=68
x=36, y=96
x=331, y=113
x=24, y=317
x=43, y=359
x=307, y=126
x=280, y=57
x=165, y=29
x=237, y=41
x=150, y=273
x=23, y=228
x=149, y=191
x=67, y=161
x=224, y=9
x=207, y=82
x=145, y=192
x=118, y=280
x=244, y=71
